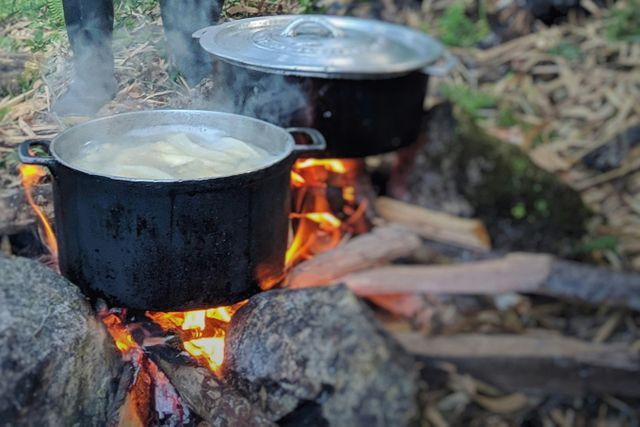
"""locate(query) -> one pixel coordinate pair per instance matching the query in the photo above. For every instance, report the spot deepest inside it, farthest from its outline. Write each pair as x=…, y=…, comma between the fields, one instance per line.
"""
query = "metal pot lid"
x=321, y=46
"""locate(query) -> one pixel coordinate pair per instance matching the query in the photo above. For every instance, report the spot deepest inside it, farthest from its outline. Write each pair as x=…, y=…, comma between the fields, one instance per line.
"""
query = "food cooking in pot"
x=170, y=156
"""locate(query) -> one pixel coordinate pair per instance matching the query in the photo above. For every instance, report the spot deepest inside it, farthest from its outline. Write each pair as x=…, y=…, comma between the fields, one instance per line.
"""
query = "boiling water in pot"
x=170, y=156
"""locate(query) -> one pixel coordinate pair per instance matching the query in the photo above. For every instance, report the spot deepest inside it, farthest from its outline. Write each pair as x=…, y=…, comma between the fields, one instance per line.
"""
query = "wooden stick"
x=536, y=361
x=513, y=273
x=529, y=273
x=380, y=246
x=216, y=402
x=434, y=225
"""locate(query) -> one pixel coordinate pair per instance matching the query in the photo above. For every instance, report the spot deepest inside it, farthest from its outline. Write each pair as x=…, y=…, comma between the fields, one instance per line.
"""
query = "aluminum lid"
x=321, y=46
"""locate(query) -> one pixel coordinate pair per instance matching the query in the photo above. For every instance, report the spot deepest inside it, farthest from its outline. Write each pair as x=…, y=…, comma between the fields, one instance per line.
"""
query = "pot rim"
x=288, y=150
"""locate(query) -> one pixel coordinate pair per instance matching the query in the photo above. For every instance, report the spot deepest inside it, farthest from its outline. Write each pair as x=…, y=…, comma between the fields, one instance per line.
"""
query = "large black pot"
x=321, y=72
x=172, y=245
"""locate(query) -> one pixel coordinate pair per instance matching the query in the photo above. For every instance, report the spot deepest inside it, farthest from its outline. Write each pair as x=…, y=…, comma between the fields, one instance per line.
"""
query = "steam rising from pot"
x=275, y=98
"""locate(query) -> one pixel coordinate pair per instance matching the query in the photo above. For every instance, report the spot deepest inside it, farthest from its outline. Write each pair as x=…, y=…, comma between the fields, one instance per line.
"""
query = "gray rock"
x=463, y=171
x=58, y=366
x=318, y=357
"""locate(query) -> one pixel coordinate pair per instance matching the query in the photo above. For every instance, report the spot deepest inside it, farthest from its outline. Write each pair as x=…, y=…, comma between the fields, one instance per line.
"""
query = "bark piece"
x=539, y=362
x=58, y=364
x=320, y=352
x=380, y=246
x=434, y=225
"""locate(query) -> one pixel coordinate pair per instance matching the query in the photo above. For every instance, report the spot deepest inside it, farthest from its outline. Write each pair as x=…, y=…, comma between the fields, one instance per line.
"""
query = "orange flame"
x=31, y=175
x=119, y=332
x=206, y=342
x=318, y=227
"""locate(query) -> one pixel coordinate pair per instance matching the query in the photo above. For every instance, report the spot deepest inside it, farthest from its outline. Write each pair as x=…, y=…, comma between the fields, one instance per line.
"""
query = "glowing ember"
x=119, y=332
x=31, y=175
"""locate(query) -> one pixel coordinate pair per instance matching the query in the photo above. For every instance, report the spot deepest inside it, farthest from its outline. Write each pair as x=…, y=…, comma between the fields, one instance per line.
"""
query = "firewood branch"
x=518, y=272
x=527, y=273
x=216, y=402
x=434, y=225
x=536, y=361
x=381, y=246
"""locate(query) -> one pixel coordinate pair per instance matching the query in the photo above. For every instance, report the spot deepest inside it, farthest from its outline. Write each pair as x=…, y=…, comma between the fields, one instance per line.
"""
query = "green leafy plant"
x=455, y=28
x=597, y=244
x=519, y=210
x=28, y=8
x=505, y=117
x=623, y=21
x=307, y=6
x=469, y=100
x=38, y=42
x=8, y=44
x=568, y=51
x=55, y=13
x=3, y=112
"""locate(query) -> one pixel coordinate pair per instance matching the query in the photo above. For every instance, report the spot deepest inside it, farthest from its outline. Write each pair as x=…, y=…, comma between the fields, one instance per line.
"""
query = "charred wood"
x=216, y=402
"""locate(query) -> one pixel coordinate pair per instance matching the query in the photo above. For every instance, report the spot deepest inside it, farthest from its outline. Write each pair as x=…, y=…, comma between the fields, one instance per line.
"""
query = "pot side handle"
x=318, y=142
x=24, y=152
x=444, y=68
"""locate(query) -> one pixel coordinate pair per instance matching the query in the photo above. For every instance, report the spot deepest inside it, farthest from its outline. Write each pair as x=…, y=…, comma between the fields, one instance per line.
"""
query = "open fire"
x=325, y=209
x=31, y=175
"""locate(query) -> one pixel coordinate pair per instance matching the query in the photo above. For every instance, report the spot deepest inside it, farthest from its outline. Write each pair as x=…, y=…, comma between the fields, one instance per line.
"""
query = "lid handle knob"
x=296, y=27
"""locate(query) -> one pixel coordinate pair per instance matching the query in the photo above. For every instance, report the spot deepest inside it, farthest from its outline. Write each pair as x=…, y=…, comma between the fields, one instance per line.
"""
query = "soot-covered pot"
x=360, y=82
x=172, y=244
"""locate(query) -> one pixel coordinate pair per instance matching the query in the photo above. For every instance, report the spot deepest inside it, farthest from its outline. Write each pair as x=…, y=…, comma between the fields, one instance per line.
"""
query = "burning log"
x=319, y=354
x=216, y=402
x=380, y=246
x=534, y=362
x=58, y=364
x=434, y=225
x=529, y=273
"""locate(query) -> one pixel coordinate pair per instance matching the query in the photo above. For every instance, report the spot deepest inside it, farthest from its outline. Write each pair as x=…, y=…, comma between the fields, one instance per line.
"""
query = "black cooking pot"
x=360, y=82
x=168, y=244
